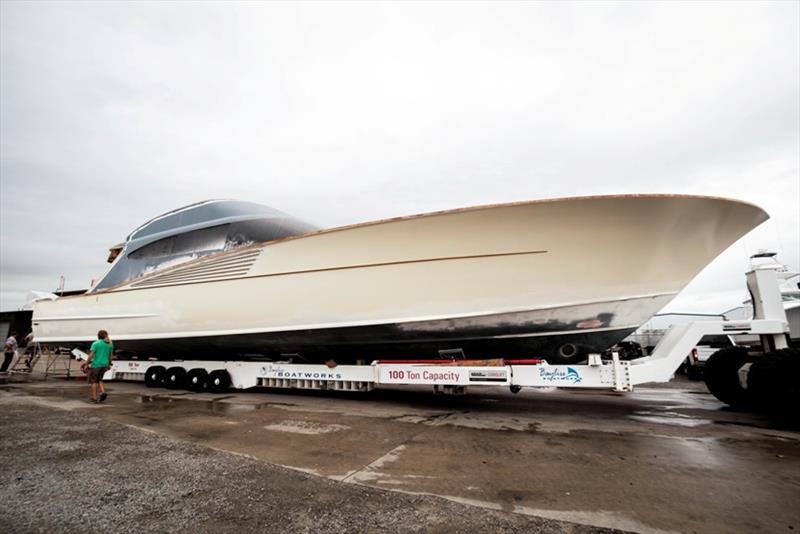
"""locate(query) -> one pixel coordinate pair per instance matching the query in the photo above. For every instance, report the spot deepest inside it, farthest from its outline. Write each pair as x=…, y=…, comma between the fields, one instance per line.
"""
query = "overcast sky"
x=112, y=113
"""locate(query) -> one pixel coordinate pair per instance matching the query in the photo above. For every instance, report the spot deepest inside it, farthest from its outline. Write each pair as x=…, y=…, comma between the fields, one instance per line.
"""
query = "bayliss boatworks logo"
x=277, y=372
x=569, y=376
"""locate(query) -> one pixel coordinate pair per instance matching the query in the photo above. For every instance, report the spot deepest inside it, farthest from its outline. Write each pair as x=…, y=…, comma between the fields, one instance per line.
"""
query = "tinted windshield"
x=196, y=231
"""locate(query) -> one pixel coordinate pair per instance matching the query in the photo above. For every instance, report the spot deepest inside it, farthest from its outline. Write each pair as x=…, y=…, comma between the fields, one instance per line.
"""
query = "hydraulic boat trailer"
x=727, y=374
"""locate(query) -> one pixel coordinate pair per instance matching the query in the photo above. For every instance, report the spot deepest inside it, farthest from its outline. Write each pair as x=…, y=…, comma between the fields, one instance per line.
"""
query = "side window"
x=198, y=241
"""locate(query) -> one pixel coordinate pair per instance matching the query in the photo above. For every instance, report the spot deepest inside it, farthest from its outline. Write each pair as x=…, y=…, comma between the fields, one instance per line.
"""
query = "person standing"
x=9, y=350
x=100, y=357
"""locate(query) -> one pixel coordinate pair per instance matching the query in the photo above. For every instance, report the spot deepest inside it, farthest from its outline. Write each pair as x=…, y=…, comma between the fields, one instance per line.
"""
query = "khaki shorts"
x=96, y=374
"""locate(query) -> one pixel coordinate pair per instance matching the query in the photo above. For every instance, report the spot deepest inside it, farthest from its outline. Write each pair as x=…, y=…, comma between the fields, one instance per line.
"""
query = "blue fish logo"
x=559, y=375
x=573, y=375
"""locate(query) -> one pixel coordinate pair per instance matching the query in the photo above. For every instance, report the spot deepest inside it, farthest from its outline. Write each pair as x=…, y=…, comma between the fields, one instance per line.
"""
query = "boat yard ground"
x=666, y=458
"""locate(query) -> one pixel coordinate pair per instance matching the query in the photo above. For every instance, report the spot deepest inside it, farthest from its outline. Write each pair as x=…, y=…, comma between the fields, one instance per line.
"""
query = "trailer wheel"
x=219, y=381
x=569, y=353
x=773, y=381
x=196, y=379
x=515, y=388
x=721, y=374
x=175, y=378
x=154, y=377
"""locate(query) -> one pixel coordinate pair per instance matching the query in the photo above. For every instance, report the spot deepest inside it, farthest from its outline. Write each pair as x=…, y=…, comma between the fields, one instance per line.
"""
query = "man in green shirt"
x=100, y=356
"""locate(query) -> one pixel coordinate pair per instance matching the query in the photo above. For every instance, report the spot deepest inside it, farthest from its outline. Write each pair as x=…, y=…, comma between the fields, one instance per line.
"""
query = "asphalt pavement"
x=663, y=459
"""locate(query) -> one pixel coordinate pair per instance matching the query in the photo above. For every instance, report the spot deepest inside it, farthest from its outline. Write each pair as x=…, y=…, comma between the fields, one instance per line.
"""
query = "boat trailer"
x=729, y=380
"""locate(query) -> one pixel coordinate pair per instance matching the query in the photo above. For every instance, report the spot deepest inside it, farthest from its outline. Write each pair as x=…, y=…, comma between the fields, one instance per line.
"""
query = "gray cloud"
x=111, y=113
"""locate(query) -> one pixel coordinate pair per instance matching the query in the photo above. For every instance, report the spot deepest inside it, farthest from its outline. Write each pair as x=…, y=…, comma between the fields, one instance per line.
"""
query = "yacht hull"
x=542, y=333
x=510, y=280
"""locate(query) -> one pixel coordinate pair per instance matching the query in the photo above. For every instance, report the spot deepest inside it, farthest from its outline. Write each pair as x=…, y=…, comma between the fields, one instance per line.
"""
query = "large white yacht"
x=225, y=279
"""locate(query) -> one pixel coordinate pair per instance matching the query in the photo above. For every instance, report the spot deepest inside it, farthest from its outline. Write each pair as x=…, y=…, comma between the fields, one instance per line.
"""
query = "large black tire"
x=175, y=378
x=219, y=381
x=154, y=377
x=197, y=379
x=721, y=374
x=774, y=381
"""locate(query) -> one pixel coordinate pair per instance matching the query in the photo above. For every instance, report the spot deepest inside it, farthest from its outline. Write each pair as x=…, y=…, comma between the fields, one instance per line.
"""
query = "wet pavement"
x=667, y=458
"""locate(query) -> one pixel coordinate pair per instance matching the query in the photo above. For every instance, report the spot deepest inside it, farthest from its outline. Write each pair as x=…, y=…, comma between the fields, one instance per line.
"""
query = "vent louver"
x=225, y=266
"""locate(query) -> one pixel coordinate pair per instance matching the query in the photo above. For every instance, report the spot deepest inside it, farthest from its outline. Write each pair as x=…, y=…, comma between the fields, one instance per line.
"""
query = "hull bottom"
x=559, y=335
x=513, y=337
x=308, y=350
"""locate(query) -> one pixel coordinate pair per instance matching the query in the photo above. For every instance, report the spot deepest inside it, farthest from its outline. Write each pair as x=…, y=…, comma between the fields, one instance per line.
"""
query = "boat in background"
x=553, y=279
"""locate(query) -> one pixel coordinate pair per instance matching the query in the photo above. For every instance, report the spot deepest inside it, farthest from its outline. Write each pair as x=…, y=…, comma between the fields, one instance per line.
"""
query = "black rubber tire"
x=773, y=381
x=175, y=378
x=568, y=354
x=197, y=379
x=721, y=374
x=515, y=389
x=219, y=381
x=154, y=377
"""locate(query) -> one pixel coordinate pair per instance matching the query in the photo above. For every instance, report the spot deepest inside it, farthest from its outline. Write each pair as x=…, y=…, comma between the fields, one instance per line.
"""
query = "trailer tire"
x=773, y=381
x=569, y=354
x=197, y=379
x=175, y=378
x=154, y=377
x=219, y=381
x=721, y=375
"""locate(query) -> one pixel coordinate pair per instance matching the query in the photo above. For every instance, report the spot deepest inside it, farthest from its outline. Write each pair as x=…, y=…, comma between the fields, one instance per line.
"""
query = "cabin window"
x=182, y=247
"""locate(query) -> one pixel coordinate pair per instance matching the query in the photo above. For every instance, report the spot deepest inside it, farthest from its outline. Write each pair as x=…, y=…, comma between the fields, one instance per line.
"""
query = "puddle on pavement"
x=478, y=422
x=669, y=418
x=45, y=392
x=700, y=452
x=372, y=474
x=306, y=427
x=188, y=404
